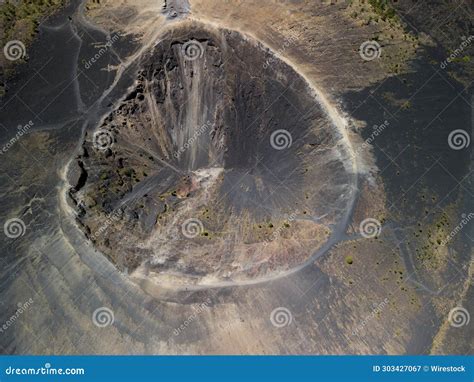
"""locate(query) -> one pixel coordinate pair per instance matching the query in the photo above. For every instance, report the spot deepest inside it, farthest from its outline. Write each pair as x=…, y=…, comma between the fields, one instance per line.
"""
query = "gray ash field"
x=208, y=177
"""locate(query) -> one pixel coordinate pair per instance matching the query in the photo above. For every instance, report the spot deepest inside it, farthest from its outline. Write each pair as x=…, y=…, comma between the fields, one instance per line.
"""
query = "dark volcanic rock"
x=207, y=136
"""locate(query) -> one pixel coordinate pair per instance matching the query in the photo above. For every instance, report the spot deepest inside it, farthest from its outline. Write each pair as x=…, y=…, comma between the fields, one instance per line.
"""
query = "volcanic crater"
x=218, y=165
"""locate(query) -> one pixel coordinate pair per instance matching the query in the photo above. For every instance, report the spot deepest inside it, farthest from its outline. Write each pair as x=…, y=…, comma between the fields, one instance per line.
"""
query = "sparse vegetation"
x=19, y=19
x=383, y=9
